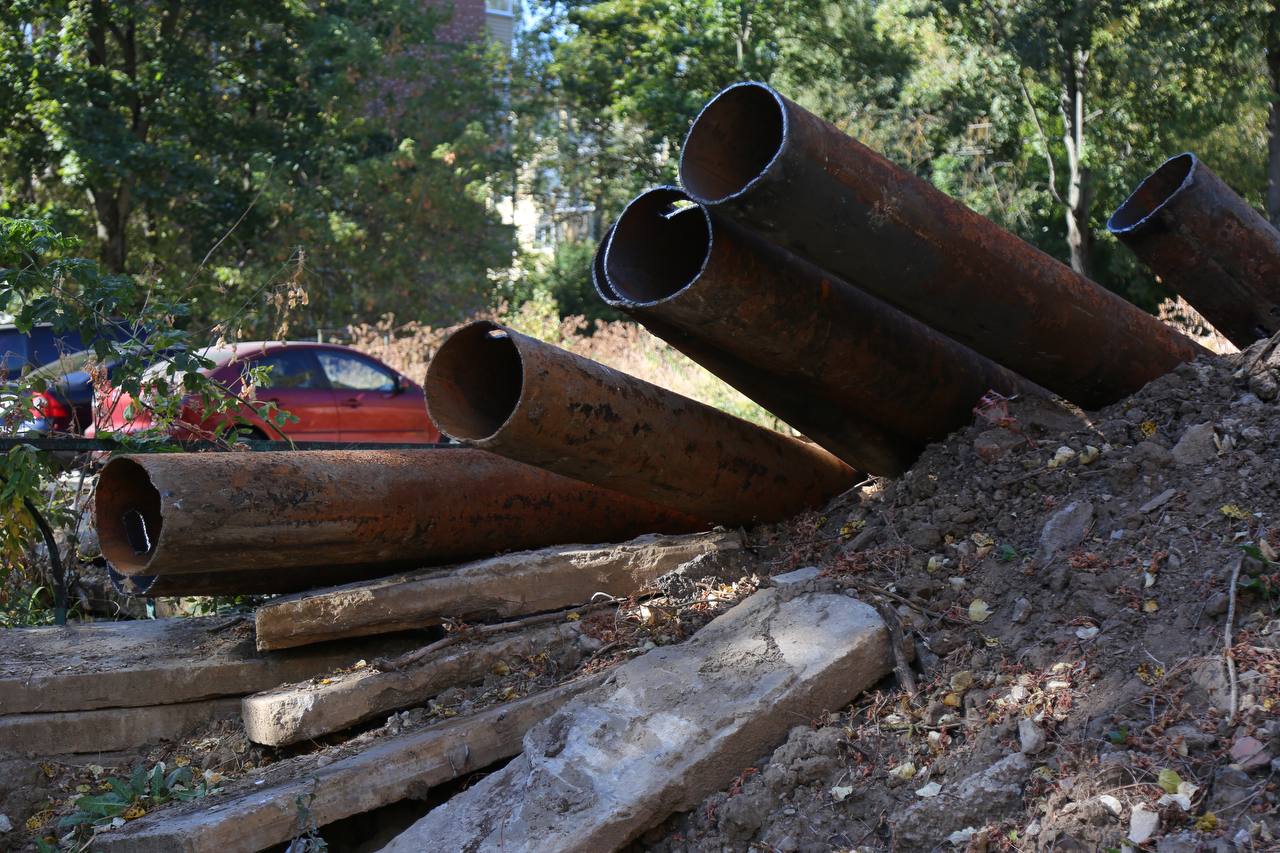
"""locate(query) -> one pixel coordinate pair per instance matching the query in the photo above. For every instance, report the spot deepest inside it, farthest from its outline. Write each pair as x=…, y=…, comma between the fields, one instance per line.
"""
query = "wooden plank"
x=309, y=709
x=107, y=729
x=156, y=662
x=499, y=587
x=389, y=771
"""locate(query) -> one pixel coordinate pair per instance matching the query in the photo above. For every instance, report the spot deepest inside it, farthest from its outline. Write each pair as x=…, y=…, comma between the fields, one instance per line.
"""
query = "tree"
x=170, y=128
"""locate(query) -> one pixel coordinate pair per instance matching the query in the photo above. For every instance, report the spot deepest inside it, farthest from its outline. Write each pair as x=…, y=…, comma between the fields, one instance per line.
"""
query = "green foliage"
x=566, y=278
x=132, y=797
x=227, y=148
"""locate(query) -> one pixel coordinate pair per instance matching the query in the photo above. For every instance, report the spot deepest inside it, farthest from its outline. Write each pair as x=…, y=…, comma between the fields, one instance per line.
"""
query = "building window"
x=501, y=7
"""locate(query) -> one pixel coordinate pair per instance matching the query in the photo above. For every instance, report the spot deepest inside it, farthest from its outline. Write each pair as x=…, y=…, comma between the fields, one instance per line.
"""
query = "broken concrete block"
x=976, y=801
x=668, y=729
x=107, y=729
x=496, y=588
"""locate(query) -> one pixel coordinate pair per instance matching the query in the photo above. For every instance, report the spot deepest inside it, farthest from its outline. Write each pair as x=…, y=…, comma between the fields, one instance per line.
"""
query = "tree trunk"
x=1078, y=198
x=111, y=211
x=1273, y=123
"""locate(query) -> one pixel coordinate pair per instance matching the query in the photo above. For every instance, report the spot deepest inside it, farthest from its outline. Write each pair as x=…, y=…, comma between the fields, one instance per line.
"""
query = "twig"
x=1229, y=634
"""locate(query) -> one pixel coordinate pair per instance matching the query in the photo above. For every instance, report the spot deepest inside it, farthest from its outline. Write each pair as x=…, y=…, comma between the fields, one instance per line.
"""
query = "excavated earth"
x=1065, y=580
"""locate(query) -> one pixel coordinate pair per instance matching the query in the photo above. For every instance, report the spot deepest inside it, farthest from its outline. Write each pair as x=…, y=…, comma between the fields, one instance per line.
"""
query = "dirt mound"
x=1066, y=580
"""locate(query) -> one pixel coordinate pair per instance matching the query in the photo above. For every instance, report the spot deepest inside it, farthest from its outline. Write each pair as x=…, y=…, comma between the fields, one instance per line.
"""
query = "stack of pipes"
x=851, y=298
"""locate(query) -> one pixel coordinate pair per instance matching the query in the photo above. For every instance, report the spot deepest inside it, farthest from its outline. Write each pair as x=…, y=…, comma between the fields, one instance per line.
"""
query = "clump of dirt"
x=1092, y=602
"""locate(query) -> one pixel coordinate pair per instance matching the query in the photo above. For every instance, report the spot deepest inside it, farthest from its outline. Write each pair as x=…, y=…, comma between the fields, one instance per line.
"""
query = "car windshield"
x=60, y=367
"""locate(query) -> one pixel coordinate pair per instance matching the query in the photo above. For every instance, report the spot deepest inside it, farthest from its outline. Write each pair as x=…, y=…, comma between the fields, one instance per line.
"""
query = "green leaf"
x=1169, y=781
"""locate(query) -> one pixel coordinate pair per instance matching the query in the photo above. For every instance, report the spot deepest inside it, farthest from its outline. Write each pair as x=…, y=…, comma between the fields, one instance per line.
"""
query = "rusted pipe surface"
x=864, y=367
x=1207, y=244
x=875, y=450
x=499, y=390
x=761, y=160
x=346, y=514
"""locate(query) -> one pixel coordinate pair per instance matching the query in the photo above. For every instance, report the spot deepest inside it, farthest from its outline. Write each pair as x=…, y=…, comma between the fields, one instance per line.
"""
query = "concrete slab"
x=667, y=729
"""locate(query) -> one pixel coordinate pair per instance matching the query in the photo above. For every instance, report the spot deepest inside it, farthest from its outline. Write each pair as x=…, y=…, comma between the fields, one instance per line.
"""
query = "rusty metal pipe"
x=318, y=517
x=848, y=436
x=1208, y=244
x=502, y=391
x=863, y=366
x=757, y=158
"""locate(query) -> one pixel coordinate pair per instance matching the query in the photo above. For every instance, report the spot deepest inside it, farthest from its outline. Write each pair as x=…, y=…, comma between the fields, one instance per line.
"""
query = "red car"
x=335, y=392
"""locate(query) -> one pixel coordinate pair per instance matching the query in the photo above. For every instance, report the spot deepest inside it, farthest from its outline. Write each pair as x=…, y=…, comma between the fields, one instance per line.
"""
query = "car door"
x=374, y=403
x=296, y=384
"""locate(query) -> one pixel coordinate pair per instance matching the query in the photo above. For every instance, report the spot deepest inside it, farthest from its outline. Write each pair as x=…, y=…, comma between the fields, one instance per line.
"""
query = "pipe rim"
x=471, y=411
x=1162, y=186
x=125, y=487
x=632, y=252
x=695, y=181
x=599, y=278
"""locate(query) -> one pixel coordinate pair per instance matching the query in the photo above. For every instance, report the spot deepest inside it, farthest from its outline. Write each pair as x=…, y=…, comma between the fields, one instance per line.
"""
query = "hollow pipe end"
x=659, y=246
x=129, y=515
x=734, y=142
x=1155, y=192
x=474, y=382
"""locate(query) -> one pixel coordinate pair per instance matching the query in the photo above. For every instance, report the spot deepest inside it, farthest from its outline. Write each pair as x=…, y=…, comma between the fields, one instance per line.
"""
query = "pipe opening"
x=127, y=506
x=659, y=246
x=732, y=142
x=1153, y=193
x=474, y=382
x=598, y=277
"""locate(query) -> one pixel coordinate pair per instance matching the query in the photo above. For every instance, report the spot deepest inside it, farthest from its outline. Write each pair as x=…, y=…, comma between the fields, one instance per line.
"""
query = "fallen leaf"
x=930, y=790
x=1089, y=455
x=841, y=792
x=1182, y=796
x=936, y=562
x=979, y=611
x=1207, y=822
x=1169, y=780
x=1268, y=553
x=1148, y=428
x=1143, y=824
x=181, y=761
x=905, y=770
x=83, y=789
x=500, y=669
x=982, y=540
x=951, y=700
x=134, y=812
x=572, y=617
x=1148, y=580
x=1235, y=511
x=1150, y=606
x=962, y=680
x=849, y=528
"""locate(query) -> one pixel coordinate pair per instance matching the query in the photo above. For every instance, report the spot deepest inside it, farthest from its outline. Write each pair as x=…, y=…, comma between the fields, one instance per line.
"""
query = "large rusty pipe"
x=346, y=514
x=502, y=391
x=761, y=160
x=1208, y=244
x=846, y=434
x=857, y=360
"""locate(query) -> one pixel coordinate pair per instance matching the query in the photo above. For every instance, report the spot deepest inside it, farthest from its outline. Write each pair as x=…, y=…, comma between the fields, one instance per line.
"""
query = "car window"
x=291, y=369
x=353, y=373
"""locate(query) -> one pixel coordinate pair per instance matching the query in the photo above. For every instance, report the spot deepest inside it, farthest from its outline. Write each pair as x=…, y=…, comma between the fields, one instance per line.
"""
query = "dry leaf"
x=962, y=681
x=905, y=770
x=1089, y=455
x=978, y=610
x=1150, y=606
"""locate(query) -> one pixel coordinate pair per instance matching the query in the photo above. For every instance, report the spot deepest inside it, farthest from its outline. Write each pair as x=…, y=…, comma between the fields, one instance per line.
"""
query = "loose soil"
x=1065, y=580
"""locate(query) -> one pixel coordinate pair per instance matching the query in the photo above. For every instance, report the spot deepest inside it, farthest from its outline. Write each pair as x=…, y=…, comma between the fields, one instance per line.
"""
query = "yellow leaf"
x=1207, y=822
x=134, y=812
x=1148, y=428
x=83, y=789
x=1150, y=606
x=1169, y=780
x=979, y=611
x=982, y=540
x=849, y=528
x=1235, y=511
x=951, y=700
x=962, y=680
x=500, y=668
x=326, y=681
x=181, y=760
x=572, y=617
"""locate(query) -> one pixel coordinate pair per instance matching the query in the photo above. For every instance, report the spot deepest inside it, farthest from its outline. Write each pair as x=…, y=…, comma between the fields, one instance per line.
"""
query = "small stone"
x=1065, y=529
x=1021, y=610
x=1249, y=753
x=1158, y=501
x=1196, y=446
x=6, y=825
x=799, y=576
x=1031, y=737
